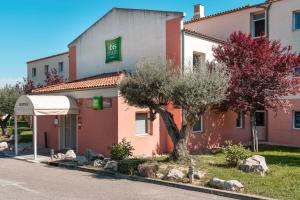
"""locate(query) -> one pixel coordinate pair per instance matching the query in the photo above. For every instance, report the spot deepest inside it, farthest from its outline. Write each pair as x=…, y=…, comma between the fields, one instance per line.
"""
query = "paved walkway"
x=22, y=180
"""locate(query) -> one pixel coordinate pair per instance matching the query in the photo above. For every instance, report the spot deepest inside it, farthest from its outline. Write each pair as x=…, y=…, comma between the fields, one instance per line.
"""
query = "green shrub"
x=129, y=166
x=235, y=154
x=122, y=150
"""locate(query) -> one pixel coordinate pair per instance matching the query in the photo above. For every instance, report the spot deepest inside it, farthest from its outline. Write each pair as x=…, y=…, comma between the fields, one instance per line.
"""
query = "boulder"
x=175, y=174
x=217, y=183
x=255, y=164
x=160, y=175
x=111, y=165
x=81, y=160
x=148, y=169
x=70, y=155
x=199, y=174
x=59, y=156
x=3, y=146
x=232, y=185
x=98, y=163
x=92, y=155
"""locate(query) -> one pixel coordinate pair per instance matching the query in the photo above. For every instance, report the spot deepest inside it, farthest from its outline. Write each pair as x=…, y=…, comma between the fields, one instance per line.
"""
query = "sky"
x=31, y=29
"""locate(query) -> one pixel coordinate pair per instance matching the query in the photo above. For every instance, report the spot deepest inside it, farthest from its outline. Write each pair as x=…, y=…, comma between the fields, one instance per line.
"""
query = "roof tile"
x=101, y=81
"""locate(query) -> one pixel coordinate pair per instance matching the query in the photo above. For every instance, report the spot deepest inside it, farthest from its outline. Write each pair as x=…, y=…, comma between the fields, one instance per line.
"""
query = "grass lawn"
x=282, y=182
x=25, y=132
x=26, y=137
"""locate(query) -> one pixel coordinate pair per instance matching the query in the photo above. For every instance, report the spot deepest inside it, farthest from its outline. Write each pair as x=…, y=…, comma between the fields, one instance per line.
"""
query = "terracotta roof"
x=100, y=81
x=231, y=11
x=39, y=59
x=201, y=35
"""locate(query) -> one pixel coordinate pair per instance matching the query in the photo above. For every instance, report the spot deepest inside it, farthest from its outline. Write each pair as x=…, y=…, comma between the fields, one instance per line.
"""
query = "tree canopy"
x=262, y=75
x=8, y=97
x=154, y=85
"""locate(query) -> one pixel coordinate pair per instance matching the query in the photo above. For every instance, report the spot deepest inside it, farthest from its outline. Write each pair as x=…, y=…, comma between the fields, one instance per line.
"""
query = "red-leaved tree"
x=53, y=77
x=27, y=86
x=262, y=74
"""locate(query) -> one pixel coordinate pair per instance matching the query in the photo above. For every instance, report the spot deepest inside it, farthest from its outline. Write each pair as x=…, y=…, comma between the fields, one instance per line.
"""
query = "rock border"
x=190, y=187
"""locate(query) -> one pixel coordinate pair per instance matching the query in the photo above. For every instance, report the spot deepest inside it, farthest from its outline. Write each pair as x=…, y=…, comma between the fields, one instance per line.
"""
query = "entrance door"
x=261, y=125
x=68, y=132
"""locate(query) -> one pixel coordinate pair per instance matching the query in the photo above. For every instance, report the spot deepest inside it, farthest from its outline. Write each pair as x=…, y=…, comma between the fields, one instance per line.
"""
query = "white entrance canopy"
x=34, y=105
x=45, y=105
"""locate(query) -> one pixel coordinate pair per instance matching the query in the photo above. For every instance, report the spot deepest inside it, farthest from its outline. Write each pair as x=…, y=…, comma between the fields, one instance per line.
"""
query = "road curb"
x=163, y=182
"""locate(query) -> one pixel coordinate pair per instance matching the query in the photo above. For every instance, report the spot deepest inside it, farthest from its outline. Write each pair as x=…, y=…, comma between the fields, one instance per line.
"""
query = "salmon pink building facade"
x=103, y=54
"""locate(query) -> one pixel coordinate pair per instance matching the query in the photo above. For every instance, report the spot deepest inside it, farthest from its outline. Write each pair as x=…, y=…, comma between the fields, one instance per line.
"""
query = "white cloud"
x=9, y=81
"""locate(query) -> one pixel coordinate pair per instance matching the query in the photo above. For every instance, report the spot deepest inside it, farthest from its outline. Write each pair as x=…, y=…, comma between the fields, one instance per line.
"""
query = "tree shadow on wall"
x=211, y=136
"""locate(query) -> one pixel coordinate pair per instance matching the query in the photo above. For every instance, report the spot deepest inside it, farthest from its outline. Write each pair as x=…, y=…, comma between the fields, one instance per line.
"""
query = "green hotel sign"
x=97, y=103
x=113, y=50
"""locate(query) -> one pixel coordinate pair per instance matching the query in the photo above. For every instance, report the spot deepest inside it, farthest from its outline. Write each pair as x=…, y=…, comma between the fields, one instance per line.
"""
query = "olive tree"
x=8, y=97
x=154, y=86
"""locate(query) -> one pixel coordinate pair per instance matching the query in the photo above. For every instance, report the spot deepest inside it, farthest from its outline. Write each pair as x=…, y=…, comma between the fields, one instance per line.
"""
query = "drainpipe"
x=182, y=51
x=267, y=9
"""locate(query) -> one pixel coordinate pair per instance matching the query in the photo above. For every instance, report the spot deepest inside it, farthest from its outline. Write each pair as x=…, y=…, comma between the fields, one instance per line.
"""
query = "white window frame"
x=33, y=70
x=241, y=119
x=46, y=71
x=202, y=55
x=253, y=24
x=59, y=67
x=294, y=20
x=147, y=124
x=199, y=131
x=294, y=120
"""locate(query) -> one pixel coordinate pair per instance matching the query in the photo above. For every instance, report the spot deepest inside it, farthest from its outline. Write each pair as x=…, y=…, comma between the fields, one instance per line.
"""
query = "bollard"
x=52, y=154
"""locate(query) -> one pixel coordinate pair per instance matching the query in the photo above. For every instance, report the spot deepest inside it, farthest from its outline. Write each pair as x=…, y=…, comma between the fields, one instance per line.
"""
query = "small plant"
x=122, y=150
x=130, y=166
x=235, y=153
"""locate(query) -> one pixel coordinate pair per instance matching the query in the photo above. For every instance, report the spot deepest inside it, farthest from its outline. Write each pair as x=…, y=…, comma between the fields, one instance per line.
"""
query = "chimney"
x=198, y=11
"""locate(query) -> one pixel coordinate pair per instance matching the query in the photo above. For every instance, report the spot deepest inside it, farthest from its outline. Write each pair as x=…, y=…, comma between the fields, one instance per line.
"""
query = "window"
x=239, y=120
x=34, y=72
x=297, y=70
x=260, y=118
x=258, y=24
x=141, y=123
x=198, y=127
x=46, y=69
x=296, y=120
x=198, y=59
x=60, y=67
x=296, y=20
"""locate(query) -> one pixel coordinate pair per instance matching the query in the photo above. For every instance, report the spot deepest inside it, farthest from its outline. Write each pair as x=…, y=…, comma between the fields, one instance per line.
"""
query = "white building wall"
x=143, y=36
x=280, y=23
x=222, y=26
x=52, y=62
x=196, y=44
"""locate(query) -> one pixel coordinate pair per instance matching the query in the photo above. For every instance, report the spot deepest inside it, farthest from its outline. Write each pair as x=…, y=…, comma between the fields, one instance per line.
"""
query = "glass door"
x=68, y=132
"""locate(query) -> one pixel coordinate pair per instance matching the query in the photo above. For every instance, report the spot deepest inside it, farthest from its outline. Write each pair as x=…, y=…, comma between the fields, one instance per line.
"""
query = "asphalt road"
x=22, y=180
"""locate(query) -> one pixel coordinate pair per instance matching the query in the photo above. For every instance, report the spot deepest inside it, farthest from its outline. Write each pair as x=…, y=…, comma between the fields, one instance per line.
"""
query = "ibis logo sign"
x=113, y=50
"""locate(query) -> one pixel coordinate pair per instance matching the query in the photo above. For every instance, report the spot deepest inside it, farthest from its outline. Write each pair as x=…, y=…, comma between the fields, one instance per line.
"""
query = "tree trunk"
x=180, y=151
x=3, y=124
x=179, y=138
x=253, y=131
